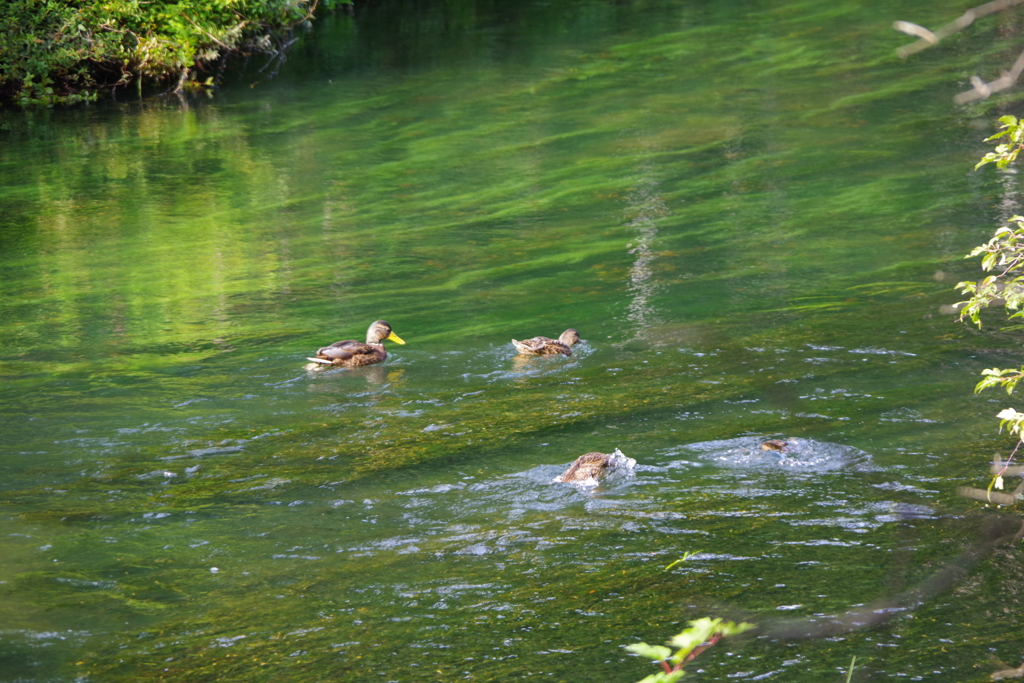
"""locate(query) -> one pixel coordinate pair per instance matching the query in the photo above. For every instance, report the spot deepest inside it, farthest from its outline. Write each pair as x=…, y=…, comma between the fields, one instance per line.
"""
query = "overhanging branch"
x=927, y=38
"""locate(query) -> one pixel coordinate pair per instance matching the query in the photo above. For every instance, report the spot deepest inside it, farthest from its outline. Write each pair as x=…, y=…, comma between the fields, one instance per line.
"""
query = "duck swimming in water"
x=544, y=346
x=775, y=445
x=355, y=354
x=589, y=468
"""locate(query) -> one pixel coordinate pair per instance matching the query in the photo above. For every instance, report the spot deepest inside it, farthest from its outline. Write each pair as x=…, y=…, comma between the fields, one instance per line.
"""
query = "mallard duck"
x=774, y=445
x=354, y=354
x=544, y=346
x=588, y=469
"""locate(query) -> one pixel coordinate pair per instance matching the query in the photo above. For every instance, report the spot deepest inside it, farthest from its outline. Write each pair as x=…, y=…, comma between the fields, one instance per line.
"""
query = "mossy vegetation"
x=61, y=51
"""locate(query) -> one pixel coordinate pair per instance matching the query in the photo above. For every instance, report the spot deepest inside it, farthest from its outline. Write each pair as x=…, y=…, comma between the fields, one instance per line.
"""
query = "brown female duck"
x=354, y=354
x=544, y=346
x=588, y=469
x=775, y=445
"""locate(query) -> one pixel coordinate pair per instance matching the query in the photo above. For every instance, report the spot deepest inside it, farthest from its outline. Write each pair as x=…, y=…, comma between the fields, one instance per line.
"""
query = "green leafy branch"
x=1007, y=377
x=1006, y=152
x=702, y=634
x=1011, y=420
x=1003, y=253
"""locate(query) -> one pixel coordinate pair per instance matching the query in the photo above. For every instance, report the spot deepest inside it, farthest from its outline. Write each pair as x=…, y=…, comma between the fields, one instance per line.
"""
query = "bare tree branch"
x=926, y=39
x=982, y=89
x=987, y=496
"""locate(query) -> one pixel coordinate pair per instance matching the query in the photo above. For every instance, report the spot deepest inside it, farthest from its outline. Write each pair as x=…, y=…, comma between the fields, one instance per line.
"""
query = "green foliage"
x=1010, y=419
x=42, y=93
x=656, y=652
x=1006, y=152
x=59, y=51
x=1006, y=377
x=689, y=643
x=1004, y=254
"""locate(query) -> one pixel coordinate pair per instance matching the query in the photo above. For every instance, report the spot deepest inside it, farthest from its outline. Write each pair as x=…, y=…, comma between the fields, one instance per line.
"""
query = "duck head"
x=570, y=337
x=619, y=460
x=379, y=331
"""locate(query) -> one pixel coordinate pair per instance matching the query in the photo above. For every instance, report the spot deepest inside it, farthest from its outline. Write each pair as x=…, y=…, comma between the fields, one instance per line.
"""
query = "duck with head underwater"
x=777, y=445
x=545, y=346
x=590, y=468
x=355, y=354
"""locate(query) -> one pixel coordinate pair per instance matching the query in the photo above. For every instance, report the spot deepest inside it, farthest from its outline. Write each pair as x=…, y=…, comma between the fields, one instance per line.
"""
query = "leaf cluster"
x=1004, y=253
x=1008, y=378
x=1005, y=152
x=1011, y=420
x=688, y=644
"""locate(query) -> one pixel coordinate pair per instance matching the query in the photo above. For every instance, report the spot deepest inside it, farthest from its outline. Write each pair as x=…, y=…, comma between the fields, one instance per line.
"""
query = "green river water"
x=752, y=212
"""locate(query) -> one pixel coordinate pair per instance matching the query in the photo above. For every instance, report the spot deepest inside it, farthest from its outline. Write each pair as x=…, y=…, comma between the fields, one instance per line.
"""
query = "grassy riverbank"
x=61, y=51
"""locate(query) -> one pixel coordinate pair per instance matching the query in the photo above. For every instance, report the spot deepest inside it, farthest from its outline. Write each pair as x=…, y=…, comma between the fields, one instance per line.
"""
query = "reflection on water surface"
x=736, y=210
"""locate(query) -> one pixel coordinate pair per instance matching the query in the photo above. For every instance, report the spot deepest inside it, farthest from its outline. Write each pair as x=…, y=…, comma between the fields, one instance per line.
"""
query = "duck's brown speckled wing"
x=550, y=347
x=343, y=350
x=352, y=354
x=543, y=346
x=587, y=466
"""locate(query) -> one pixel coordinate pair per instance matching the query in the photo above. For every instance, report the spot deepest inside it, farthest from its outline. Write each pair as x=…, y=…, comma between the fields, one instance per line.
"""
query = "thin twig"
x=999, y=467
x=703, y=646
